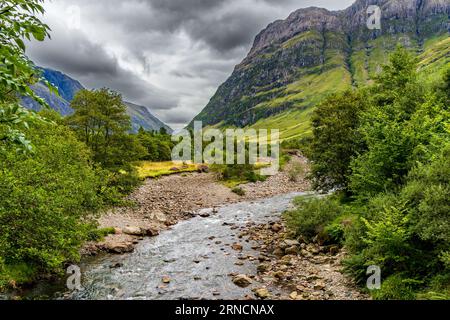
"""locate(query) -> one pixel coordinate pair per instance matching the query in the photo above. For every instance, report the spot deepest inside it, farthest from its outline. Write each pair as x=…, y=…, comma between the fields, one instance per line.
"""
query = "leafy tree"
x=48, y=199
x=17, y=72
x=336, y=139
x=100, y=120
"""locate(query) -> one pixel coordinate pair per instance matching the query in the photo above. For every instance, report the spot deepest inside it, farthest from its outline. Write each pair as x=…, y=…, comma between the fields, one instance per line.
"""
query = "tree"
x=387, y=127
x=336, y=140
x=17, y=72
x=47, y=199
x=100, y=120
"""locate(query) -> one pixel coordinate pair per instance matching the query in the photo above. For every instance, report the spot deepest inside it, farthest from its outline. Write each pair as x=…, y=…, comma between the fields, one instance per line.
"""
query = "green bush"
x=312, y=216
x=48, y=199
x=396, y=288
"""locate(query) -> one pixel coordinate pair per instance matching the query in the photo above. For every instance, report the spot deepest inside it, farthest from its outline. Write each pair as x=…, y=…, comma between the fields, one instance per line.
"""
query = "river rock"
x=237, y=247
x=278, y=252
x=292, y=250
x=291, y=243
x=150, y=232
x=263, y=268
x=277, y=227
x=133, y=231
x=242, y=281
x=262, y=293
x=293, y=295
x=120, y=248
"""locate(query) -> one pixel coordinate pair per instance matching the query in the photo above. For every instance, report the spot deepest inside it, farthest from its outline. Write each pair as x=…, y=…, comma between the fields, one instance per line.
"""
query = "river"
x=195, y=255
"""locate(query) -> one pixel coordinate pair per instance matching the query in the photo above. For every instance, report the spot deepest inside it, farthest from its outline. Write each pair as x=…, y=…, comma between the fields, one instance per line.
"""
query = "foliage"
x=48, y=199
x=159, y=145
x=312, y=215
x=336, y=139
x=397, y=288
x=100, y=121
x=396, y=170
x=17, y=72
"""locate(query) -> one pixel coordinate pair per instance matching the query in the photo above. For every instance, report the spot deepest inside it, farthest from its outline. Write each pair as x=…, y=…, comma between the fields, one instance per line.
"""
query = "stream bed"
x=195, y=255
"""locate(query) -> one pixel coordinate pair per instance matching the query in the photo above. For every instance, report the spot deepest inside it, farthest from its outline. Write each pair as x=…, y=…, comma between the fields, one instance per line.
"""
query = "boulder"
x=291, y=250
x=150, y=232
x=262, y=293
x=263, y=268
x=133, y=231
x=277, y=227
x=291, y=243
x=120, y=248
x=242, y=281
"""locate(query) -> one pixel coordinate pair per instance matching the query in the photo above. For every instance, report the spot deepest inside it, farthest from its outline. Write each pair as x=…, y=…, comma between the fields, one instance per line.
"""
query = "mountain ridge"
x=67, y=87
x=294, y=63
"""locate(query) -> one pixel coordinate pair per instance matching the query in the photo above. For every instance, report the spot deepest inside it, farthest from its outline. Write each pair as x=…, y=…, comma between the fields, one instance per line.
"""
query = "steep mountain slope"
x=68, y=87
x=295, y=63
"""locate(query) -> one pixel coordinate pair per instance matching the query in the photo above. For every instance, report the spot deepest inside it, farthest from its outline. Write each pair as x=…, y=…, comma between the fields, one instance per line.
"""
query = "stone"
x=262, y=293
x=120, y=248
x=319, y=285
x=242, y=281
x=278, y=252
x=237, y=247
x=202, y=169
x=293, y=295
x=279, y=275
x=291, y=243
x=166, y=279
x=150, y=232
x=292, y=250
x=133, y=231
x=277, y=227
x=263, y=268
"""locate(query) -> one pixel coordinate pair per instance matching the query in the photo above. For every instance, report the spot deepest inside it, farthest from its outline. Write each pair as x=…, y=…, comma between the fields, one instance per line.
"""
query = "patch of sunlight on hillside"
x=148, y=169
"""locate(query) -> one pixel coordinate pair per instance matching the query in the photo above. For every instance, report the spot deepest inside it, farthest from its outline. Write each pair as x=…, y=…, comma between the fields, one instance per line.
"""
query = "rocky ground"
x=303, y=271
x=161, y=203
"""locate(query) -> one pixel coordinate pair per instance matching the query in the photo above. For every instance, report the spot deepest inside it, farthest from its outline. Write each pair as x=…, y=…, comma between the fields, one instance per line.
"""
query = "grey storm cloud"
x=169, y=55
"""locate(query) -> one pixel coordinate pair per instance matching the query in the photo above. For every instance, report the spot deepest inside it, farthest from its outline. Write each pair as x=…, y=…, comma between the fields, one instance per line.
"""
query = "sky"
x=167, y=55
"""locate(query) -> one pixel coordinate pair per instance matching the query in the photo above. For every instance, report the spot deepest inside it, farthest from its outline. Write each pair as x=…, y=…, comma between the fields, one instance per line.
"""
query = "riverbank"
x=162, y=203
x=304, y=271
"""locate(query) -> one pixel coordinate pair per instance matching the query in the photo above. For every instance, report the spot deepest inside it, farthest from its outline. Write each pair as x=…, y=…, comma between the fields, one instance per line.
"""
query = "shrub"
x=312, y=215
x=396, y=288
x=48, y=199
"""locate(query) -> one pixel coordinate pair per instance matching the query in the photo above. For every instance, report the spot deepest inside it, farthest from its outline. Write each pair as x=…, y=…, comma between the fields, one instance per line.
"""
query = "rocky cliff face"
x=68, y=87
x=295, y=62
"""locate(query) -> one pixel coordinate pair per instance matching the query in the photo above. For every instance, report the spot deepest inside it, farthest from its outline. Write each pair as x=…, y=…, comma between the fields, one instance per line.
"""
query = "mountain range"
x=295, y=63
x=68, y=87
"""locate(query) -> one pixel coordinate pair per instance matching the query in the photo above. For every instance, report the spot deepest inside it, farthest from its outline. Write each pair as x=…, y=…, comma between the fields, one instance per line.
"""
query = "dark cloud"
x=169, y=55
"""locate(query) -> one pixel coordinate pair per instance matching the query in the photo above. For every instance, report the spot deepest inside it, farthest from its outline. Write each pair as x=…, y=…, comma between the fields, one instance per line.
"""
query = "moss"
x=239, y=191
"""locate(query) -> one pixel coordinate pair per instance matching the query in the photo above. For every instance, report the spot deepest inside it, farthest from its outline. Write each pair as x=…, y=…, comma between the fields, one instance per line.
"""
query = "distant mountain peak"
x=294, y=63
x=67, y=87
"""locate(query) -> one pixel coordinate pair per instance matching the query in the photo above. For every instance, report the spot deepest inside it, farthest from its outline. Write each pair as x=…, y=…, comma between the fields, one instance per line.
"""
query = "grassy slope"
x=365, y=61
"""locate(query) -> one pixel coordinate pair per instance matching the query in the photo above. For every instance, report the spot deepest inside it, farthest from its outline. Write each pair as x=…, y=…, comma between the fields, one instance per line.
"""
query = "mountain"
x=68, y=87
x=295, y=63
